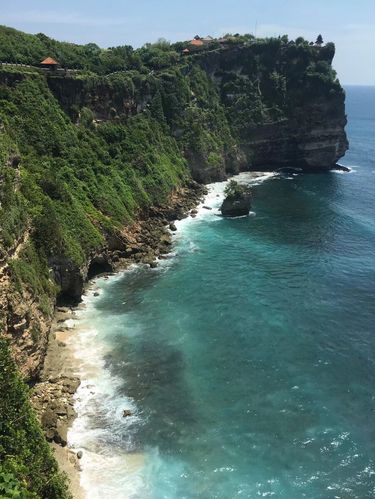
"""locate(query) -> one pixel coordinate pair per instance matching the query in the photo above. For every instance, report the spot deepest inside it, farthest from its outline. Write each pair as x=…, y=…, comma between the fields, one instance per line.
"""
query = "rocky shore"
x=52, y=397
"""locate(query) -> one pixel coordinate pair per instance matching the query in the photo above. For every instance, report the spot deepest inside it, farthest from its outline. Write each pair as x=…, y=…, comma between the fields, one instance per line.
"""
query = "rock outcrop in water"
x=237, y=200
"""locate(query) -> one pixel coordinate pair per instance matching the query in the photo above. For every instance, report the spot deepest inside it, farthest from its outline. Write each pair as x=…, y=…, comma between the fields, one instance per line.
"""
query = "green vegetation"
x=75, y=185
x=236, y=190
x=27, y=467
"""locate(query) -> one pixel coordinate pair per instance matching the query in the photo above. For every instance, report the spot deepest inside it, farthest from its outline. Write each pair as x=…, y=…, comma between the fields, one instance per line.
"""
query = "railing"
x=18, y=64
x=47, y=71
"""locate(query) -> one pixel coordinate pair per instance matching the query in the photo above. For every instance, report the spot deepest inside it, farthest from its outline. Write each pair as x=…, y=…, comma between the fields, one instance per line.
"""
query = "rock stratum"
x=98, y=158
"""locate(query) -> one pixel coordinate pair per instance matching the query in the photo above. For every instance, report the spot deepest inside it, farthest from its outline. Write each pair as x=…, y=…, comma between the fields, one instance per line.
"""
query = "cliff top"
x=21, y=48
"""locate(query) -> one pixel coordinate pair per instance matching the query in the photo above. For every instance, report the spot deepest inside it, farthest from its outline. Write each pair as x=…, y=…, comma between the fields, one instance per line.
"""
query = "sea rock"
x=237, y=202
x=49, y=419
x=127, y=413
x=341, y=168
x=49, y=434
x=79, y=454
x=172, y=227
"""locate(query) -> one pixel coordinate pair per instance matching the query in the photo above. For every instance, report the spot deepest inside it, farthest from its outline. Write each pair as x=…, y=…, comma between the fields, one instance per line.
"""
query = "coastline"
x=53, y=397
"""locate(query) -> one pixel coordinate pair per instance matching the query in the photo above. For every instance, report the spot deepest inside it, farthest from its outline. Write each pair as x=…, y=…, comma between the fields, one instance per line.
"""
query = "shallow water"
x=248, y=357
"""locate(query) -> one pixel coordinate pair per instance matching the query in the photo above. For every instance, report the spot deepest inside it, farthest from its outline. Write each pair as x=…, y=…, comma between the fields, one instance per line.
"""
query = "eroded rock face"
x=27, y=327
x=313, y=138
x=237, y=200
x=53, y=403
x=69, y=277
x=307, y=131
x=236, y=206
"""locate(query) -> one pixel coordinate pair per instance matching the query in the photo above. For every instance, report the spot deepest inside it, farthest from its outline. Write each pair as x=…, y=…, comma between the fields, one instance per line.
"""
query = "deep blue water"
x=247, y=358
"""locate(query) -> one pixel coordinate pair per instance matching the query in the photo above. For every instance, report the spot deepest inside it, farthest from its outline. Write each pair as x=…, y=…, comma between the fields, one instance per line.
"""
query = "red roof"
x=186, y=51
x=49, y=61
x=196, y=43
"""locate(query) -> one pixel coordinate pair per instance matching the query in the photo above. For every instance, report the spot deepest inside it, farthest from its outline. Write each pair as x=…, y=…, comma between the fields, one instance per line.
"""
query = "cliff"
x=283, y=102
x=262, y=105
x=86, y=157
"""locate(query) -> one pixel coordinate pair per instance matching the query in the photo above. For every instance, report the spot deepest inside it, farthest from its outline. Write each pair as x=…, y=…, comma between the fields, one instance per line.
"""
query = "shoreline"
x=53, y=397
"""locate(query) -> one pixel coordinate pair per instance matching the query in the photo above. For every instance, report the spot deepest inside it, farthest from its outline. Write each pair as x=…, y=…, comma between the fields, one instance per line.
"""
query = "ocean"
x=247, y=357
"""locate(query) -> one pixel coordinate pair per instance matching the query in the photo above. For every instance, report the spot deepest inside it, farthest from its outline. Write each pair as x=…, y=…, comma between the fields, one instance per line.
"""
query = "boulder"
x=237, y=202
x=49, y=419
x=61, y=436
x=49, y=434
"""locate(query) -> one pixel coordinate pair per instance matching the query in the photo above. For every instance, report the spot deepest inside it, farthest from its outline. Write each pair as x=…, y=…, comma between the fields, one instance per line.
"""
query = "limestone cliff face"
x=313, y=138
x=106, y=99
x=291, y=113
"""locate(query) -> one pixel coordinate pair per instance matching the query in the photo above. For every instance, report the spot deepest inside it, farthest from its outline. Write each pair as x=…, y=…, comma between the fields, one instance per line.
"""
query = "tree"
x=162, y=44
x=319, y=40
x=236, y=190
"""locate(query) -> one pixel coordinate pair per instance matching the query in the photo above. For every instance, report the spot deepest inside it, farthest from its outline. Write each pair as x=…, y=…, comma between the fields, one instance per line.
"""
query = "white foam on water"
x=115, y=477
x=70, y=323
x=352, y=169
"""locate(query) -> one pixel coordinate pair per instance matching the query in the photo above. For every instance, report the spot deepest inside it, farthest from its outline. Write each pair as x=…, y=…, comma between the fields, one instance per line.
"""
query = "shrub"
x=236, y=190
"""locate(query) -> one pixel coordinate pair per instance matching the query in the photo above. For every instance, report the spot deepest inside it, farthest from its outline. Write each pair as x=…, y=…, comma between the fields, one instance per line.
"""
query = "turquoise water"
x=248, y=357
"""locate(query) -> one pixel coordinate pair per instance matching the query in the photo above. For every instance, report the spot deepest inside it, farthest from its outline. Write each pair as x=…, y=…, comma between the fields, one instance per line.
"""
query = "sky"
x=350, y=24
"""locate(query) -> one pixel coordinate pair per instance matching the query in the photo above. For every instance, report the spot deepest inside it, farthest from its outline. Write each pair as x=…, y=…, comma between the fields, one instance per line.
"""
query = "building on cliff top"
x=50, y=64
x=196, y=43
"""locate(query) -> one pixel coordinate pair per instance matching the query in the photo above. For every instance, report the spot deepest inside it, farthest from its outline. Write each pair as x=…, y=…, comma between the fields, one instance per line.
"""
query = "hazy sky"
x=348, y=23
